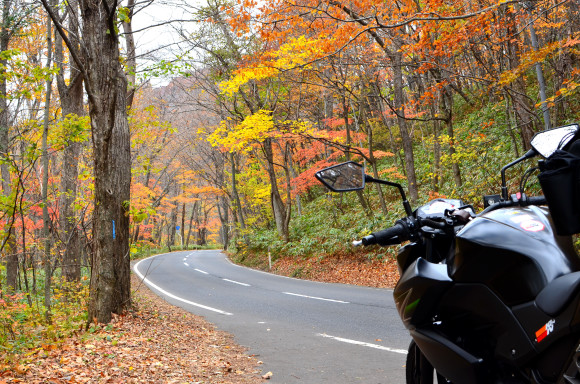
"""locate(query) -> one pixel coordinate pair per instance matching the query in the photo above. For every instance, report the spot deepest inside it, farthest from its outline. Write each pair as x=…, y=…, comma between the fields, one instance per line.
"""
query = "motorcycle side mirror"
x=344, y=177
x=547, y=142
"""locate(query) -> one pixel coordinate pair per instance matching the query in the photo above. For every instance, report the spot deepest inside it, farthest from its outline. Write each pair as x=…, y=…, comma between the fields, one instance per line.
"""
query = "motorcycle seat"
x=554, y=298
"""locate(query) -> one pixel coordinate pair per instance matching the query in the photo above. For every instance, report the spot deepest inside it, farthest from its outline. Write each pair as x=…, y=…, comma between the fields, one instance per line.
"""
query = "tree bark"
x=9, y=249
x=399, y=104
x=106, y=87
x=278, y=207
x=45, y=165
x=71, y=101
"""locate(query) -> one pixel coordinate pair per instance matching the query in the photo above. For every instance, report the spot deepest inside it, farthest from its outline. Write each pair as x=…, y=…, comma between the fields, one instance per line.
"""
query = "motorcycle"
x=492, y=297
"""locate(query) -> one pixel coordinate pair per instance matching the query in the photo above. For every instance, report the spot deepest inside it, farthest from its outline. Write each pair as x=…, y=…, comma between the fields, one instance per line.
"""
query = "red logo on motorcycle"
x=532, y=226
x=545, y=330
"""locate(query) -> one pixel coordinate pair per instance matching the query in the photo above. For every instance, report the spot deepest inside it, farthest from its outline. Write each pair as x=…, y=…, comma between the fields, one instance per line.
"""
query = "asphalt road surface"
x=303, y=331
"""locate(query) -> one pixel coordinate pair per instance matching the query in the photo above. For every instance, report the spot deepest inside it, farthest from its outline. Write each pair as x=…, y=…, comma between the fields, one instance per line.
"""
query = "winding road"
x=303, y=331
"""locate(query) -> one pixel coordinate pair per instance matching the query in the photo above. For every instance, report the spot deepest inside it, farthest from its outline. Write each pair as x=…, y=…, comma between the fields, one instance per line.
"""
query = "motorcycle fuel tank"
x=513, y=251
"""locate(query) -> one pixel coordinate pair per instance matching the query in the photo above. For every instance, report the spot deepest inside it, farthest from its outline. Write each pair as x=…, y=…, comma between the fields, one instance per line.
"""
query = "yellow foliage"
x=254, y=129
x=296, y=53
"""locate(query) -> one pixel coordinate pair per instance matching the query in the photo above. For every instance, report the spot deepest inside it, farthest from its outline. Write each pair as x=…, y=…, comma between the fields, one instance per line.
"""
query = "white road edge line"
x=316, y=298
x=237, y=282
x=364, y=344
x=149, y=283
x=200, y=271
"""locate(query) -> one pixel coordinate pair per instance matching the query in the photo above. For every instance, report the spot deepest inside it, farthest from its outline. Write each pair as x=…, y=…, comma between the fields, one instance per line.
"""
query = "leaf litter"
x=156, y=342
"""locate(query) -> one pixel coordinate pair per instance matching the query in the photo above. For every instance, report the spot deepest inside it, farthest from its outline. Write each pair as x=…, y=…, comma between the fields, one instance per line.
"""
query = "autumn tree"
x=14, y=17
x=71, y=101
x=98, y=58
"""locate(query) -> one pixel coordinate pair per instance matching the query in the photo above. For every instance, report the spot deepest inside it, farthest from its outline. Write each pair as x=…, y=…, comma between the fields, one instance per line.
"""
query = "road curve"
x=304, y=331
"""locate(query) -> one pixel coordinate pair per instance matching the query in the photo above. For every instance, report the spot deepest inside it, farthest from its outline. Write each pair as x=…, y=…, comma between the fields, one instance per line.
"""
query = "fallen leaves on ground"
x=346, y=269
x=156, y=343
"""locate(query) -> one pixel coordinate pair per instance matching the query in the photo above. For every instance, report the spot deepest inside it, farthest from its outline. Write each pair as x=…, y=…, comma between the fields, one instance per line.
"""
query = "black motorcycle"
x=492, y=297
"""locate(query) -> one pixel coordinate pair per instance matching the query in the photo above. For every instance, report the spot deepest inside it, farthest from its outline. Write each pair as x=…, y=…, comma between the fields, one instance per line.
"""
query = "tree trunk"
x=278, y=207
x=172, y=228
x=523, y=109
x=191, y=219
x=106, y=85
x=106, y=82
x=359, y=193
x=182, y=226
x=447, y=105
x=399, y=103
x=223, y=212
x=9, y=249
x=238, y=204
x=539, y=72
x=71, y=101
x=45, y=165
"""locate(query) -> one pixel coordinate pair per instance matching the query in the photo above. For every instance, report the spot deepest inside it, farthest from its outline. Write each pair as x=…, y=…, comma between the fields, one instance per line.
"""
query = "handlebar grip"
x=536, y=200
x=385, y=236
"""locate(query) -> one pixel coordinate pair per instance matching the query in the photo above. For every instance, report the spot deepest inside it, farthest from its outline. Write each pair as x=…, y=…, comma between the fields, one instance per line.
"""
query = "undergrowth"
x=25, y=326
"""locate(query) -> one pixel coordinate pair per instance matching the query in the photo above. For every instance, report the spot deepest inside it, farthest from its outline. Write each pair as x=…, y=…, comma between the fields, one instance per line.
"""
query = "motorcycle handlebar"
x=400, y=231
x=536, y=200
x=524, y=202
x=389, y=236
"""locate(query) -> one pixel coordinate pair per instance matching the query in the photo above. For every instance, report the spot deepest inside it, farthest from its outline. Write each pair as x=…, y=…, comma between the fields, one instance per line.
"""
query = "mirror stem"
x=504, y=191
x=406, y=205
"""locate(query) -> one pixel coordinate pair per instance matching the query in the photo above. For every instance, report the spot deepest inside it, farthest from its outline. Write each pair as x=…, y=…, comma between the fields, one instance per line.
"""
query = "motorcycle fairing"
x=554, y=337
x=477, y=316
x=450, y=360
x=512, y=245
x=475, y=328
x=419, y=290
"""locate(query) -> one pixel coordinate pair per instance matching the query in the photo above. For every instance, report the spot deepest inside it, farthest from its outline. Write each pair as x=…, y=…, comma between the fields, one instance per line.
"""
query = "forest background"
x=100, y=164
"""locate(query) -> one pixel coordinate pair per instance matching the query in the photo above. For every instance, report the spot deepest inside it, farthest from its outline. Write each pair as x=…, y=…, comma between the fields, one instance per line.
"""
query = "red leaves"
x=347, y=269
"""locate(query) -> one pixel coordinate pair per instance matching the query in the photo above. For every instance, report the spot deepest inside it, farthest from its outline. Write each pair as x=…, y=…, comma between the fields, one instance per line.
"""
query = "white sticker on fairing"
x=532, y=226
x=521, y=218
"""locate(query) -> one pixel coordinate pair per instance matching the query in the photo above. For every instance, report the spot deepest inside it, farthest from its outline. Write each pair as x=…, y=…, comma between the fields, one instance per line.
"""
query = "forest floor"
x=161, y=343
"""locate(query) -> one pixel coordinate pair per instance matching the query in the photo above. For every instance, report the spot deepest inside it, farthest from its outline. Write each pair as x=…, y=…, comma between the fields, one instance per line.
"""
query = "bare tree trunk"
x=223, y=212
x=436, y=151
x=71, y=100
x=447, y=105
x=294, y=175
x=359, y=193
x=45, y=165
x=191, y=219
x=539, y=72
x=9, y=250
x=182, y=227
x=523, y=109
x=172, y=228
x=106, y=86
x=278, y=207
x=237, y=203
x=399, y=104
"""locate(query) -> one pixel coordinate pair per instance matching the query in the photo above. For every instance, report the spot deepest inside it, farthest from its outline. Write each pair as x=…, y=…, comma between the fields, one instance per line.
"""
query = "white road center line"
x=149, y=283
x=200, y=271
x=237, y=282
x=316, y=298
x=364, y=344
x=187, y=265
